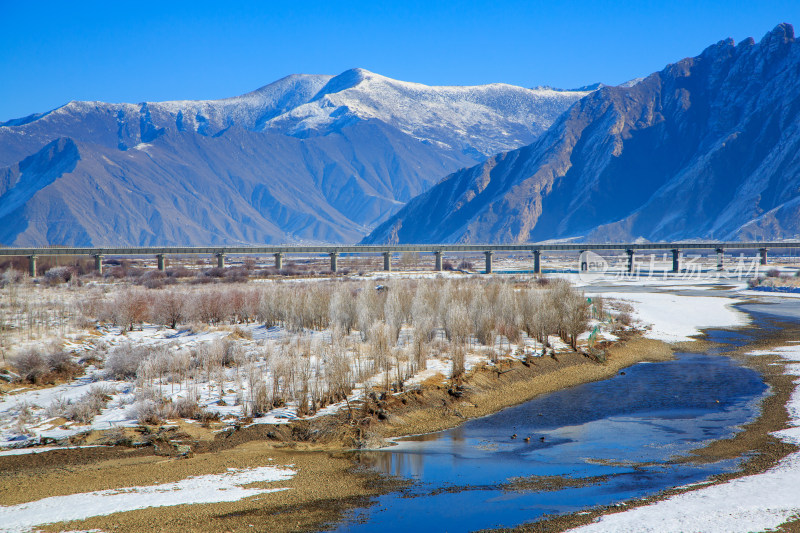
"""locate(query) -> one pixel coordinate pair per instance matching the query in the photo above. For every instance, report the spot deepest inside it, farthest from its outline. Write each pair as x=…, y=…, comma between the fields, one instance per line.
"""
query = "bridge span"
x=438, y=250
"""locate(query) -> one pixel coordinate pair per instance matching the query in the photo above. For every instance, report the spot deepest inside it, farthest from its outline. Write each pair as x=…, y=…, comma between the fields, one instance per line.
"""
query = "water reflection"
x=618, y=434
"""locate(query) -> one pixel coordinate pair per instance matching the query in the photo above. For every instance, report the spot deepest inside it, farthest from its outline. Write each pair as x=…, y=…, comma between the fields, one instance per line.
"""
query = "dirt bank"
x=487, y=390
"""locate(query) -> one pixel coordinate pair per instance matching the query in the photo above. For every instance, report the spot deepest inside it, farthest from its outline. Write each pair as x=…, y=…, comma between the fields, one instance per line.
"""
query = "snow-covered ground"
x=674, y=318
x=760, y=502
x=212, y=488
x=223, y=396
x=43, y=449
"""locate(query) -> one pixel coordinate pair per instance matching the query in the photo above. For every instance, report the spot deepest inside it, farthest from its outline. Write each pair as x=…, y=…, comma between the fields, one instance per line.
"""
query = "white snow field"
x=675, y=318
x=212, y=488
x=760, y=502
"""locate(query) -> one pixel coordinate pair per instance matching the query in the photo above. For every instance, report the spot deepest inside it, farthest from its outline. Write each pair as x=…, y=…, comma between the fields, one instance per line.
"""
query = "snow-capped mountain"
x=308, y=157
x=480, y=120
x=709, y=147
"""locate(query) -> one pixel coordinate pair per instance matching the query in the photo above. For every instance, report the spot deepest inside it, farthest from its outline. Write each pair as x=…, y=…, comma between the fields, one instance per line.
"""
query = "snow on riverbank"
x=27, y=417
x=212, y=488
x=675, y=318
x=753, y=503
x=28, y=451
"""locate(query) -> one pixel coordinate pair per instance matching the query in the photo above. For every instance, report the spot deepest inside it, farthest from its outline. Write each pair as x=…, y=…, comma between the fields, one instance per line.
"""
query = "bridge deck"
x=425, y=248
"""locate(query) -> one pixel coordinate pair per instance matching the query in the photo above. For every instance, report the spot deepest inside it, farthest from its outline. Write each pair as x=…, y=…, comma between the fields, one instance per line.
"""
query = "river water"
x=594, y=444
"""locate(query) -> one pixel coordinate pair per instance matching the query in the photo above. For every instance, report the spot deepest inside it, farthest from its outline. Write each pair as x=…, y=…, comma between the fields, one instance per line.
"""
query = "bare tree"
x=576, y=317
x=395, y=314
x=343, y=309
x=458, y=354
x=131, y=307
x=457, y=324
x=379, y=349
x=170, y=309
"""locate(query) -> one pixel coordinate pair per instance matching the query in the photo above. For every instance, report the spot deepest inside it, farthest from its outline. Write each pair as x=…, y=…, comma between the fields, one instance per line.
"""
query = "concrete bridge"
x=438, y=250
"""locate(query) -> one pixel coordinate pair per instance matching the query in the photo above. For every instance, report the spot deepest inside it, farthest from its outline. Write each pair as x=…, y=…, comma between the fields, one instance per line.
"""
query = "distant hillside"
x=307, y=158
x=707, y=147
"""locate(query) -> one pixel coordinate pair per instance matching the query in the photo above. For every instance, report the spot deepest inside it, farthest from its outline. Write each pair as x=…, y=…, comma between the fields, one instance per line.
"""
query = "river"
x=594, y=444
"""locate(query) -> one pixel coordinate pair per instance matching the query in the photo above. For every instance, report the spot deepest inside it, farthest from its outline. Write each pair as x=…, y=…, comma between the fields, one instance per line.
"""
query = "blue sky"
x=54, y=52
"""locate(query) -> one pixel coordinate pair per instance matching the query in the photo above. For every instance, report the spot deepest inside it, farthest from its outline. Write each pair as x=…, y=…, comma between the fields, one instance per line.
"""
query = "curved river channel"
x=594, y=444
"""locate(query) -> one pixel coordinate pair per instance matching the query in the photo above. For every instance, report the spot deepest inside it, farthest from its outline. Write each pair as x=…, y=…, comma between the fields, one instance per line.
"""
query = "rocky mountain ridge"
x=709, y=147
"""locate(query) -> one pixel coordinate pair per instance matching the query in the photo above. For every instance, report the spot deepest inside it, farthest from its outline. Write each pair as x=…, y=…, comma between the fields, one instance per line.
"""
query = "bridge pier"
x=162, y=266
x=537, y=262
x=32, y=265
x=220, y=260
x=98, y=264
x=676, y=260
x=334, y=261
x=278, y=261
x=488, y=255
x=763, y=253
x=387, y=261
x=584, y=265
x=720, y=258
x=630, y=259
x=438, y=264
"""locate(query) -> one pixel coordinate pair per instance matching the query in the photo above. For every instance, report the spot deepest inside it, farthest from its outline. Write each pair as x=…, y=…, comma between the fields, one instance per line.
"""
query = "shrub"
x=147, y=412
x=215, y=272
x=89, y=405
x=187, y=408
x=124, y=361
x=31, y=365
x=154, y=274
x=773, y=273
x=155, y=283
x=116, y=272
x=625, y=318
x=10, y=276
x=236, y=275
x=62, y=365
x=179, y=272
x=59, y=274
x=259, y=399
x=754, y=282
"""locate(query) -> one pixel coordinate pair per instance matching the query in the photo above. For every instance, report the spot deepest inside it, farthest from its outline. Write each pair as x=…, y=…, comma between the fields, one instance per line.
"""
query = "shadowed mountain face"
x=708, y=147
x=307, y=158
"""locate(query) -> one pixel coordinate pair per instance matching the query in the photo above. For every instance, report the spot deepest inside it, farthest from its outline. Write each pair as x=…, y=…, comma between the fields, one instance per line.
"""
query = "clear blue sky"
x=54, y=52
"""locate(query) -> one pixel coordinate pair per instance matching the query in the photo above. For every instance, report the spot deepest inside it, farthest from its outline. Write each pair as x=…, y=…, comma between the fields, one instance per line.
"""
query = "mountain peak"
x=782, y=33
x=346, y=80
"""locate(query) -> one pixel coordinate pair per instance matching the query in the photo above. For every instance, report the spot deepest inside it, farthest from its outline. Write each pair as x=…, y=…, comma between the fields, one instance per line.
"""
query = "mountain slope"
x=707, y=147
x=307, y=158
